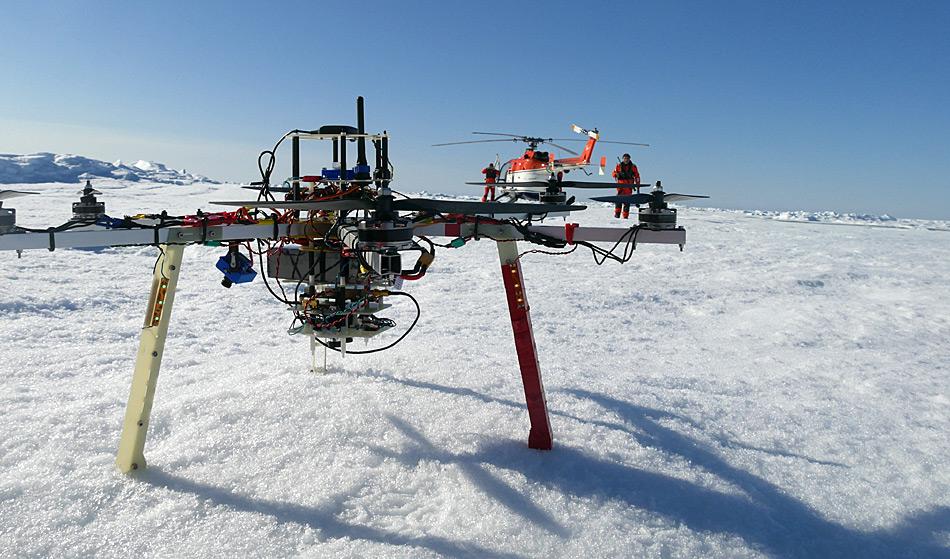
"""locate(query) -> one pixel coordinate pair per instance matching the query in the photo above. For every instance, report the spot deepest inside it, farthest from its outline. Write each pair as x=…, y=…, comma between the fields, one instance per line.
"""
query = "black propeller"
x=8, y=194
x=385, y=204
x=656, y=197
x=554, y=183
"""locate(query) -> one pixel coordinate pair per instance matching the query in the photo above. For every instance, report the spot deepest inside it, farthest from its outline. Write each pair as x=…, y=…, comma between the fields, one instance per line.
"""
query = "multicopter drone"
x=334, y=247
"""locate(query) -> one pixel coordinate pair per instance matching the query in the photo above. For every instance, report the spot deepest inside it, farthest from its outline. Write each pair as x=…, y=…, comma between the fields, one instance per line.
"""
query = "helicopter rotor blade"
x=624, y=143
x=600, y=141
x=475, y=142
x=518, y=136
x=562, y=147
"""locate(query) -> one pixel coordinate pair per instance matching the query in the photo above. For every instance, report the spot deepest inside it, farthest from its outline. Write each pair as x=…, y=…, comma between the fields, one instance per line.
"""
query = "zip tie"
x=52, y=240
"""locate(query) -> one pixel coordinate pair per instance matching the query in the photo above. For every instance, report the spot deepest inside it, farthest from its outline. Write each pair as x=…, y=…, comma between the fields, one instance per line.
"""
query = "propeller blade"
x=332, y=205
x=587, y=184
x=572, y=152
x=672, y=197
x=8, y=194
x=635, y=199
x=480, y=208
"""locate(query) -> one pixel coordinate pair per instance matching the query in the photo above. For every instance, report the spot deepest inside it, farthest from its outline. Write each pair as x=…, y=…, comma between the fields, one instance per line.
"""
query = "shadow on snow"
x=765, y=517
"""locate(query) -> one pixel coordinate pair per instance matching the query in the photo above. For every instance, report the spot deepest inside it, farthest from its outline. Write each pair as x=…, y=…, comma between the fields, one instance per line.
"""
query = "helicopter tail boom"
x=584, y=157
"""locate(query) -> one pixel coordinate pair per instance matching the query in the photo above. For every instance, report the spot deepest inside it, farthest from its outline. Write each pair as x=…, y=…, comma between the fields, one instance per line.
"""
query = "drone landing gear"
x=151, y=345
x=540, y=435
x=313, y=355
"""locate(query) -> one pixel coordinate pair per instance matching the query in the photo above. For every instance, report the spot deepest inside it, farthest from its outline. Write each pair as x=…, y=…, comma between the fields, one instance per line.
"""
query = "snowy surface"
x=49, y=167
x=777, y=390
x=837, y=218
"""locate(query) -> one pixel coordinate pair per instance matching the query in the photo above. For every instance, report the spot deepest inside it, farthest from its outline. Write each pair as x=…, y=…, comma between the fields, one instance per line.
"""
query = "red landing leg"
x=540, y=435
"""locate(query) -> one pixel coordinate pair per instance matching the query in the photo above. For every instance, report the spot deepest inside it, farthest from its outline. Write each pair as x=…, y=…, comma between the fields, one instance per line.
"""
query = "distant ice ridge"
x=821, y=216
x=50, y=167
x=838, y=218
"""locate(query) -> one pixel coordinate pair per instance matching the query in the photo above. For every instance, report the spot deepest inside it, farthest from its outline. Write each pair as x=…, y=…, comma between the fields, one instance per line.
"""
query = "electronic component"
x=236, y=268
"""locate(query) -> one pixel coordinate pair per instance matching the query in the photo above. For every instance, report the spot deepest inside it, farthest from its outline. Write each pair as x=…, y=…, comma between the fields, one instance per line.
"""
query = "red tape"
x=569, y=232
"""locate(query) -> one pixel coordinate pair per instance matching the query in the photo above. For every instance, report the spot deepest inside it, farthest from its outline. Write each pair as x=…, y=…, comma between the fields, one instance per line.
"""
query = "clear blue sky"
x=761, y=104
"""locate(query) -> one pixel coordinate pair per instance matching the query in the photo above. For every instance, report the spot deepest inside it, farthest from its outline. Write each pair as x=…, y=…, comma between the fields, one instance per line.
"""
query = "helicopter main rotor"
x=532, y=141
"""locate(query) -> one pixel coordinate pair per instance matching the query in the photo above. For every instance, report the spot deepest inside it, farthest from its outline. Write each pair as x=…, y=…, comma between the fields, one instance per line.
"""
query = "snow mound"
x=50, y=167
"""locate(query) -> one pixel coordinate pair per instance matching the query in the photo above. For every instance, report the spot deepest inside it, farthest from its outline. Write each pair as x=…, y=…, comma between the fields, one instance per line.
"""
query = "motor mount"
x=88, y=207
x=7, y=219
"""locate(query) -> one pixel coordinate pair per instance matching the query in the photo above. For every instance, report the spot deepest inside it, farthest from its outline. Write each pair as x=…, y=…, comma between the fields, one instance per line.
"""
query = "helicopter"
x=534, y=174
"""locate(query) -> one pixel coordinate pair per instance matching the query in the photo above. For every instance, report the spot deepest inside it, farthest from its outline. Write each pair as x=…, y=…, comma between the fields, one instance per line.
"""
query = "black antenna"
x=361, y=129
x=342, y=157
x=385, y=157
x=363, y=168
x=295, y=166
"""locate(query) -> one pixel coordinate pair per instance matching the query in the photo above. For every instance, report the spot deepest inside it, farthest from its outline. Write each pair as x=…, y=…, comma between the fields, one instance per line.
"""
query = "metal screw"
x=172, y=266
x=141, y=423
x=154, y=354
x=135, y=466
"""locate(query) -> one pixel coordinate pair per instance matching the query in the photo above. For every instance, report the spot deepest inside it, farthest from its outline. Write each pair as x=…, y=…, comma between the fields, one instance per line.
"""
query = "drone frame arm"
x=131, y=454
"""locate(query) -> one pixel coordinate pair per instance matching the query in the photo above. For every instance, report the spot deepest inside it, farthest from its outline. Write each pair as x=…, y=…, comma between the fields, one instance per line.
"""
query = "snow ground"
x=776, y=390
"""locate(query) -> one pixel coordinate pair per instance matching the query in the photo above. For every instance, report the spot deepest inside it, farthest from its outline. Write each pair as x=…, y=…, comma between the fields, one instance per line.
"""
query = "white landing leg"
x=313, y=355
x=151, y=344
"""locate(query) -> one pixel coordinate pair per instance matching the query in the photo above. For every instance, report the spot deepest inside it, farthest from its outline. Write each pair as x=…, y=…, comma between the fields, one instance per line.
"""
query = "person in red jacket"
x=491, y=174
x=626, y=172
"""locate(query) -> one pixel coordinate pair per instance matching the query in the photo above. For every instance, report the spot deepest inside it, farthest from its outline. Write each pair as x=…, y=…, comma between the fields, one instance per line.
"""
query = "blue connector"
x=236, y=268
x=110, y=222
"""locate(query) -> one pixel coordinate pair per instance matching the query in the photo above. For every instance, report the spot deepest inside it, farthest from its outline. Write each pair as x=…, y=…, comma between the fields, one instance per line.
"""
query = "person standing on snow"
x=626, y=172
x=491, y=174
